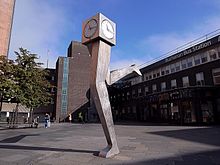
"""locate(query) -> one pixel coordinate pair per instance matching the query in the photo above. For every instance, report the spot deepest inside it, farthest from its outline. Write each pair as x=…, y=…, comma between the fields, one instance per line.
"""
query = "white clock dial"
x=107, y=29
x=90, y=28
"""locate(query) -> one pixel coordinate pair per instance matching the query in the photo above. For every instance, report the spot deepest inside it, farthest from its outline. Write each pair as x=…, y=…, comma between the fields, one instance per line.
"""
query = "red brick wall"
x=6, y=14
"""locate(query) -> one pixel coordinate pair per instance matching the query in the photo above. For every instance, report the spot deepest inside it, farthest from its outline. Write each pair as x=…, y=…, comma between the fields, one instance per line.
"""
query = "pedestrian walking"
x=81, y=118
x=70, y=118
x=47, y=120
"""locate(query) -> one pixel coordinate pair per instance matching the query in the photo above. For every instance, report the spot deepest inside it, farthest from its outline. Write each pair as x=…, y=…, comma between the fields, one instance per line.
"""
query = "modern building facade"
x=73, y=81
x=183, y=88
x=6, y=19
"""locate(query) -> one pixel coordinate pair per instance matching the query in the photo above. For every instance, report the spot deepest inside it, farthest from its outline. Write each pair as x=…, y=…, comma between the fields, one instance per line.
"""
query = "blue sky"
x=146, y=29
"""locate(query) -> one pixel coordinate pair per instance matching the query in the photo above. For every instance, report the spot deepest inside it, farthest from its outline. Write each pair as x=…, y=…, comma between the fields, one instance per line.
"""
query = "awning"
x=9, y=107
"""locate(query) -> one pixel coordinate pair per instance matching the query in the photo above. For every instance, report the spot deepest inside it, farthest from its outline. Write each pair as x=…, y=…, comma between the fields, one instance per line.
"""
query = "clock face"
x=107, y=29
x=90, y=28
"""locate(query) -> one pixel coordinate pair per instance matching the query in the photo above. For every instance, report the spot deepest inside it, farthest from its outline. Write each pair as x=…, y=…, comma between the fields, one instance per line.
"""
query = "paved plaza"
x=76, y=144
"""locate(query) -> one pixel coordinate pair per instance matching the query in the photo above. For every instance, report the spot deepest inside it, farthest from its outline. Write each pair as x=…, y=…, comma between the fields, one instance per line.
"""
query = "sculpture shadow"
x=15, y=139
x=207, y=135
x=18, y=147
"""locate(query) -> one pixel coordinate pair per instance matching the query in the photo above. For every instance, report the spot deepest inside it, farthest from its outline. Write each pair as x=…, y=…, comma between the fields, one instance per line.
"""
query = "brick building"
x=73, y=80
x=6, y=18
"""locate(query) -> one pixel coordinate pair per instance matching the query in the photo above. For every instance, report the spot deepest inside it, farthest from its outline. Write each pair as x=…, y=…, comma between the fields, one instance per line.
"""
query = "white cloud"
x=124, y=63
x=39, y=27
x=160, y=44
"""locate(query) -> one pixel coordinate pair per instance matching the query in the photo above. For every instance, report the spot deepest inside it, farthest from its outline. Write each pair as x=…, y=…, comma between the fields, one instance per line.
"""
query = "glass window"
x=212, y=54
x=190, y=62
x=172, y=68
x=216, y=76
x=177, y=66
x=184, y=64
x=134, y=109
x=167, y=69
x=185, y=81
x=154, y=87
x=204, y=57
x=154, y=74
x=218, y=52
x=139, y=91
x=158, y=72
x=129, y=110
x=146, y=89
x=197, y=59
x=173, y=83
x=145, y=76
x=163, y=86
x=163, y=70
x=200, y=79
x=150, y=76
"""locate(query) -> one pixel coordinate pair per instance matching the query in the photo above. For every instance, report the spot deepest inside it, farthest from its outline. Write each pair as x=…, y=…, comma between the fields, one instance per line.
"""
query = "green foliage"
x=8, y=86
x=25, y=80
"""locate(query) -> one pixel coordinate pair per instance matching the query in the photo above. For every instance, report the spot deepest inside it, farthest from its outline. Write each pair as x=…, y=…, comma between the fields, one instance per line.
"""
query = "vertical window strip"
x=64, y=98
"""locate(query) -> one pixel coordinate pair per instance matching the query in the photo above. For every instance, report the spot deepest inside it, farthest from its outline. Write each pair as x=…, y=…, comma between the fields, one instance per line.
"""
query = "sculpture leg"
x=103, y=107
x=100, y=62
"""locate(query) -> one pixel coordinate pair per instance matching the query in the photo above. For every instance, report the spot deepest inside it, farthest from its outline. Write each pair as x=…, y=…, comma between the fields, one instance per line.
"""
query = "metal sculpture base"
x=109, y=152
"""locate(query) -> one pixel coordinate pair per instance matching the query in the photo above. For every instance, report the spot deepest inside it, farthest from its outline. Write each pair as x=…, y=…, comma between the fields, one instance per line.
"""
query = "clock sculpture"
x=99, y=34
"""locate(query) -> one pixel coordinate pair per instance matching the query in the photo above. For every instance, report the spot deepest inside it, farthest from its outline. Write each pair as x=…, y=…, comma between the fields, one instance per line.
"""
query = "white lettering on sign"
x=190, y=50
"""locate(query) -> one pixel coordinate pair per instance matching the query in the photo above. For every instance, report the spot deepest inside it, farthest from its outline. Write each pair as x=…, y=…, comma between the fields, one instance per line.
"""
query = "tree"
x=31, y=78
x=8, y=87
x=24, y=82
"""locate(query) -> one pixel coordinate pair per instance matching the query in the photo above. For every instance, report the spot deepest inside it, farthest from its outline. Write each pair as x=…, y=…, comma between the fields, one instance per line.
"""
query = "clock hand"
x=110, y=30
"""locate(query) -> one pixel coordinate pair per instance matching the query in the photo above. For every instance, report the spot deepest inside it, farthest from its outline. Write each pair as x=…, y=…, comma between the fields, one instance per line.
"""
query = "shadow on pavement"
x=200, y=158
x=17, y=147
x=15, y=139
x=208, y=135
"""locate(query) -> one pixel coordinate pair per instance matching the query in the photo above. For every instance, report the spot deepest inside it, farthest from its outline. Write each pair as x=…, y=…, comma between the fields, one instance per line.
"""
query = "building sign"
x=194, y=48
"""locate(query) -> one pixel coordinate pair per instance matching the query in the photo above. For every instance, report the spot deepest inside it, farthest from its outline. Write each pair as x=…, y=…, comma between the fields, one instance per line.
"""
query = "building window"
x=200, y=79
x=204, y=57
x=216, y=76
x=154, y=88
x=197, y=60
x=177, y=65
x=64, y=100
x=158, y=72
x=133, y=93
x=123, y=111
x=172, y=68
x=189, y=62
x=212, y=54
x=163, y=70
x=218, y=52
x=184, y=64
x=145, y=77
x=134, y=109
x=150, y=76
x=185, y=81
x=146, y=90
x=129, y=110
x=167, y=69
x=139, y=92
x=154, y=74
x=163, y=86
x=52, y=78
x=173, y=83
